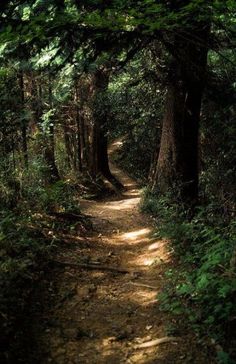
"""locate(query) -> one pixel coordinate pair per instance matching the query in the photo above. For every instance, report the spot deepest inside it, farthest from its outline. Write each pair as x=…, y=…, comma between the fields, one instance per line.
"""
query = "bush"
x=204, y=285
x=24, y=255
x=60, y=197
x=30, y=188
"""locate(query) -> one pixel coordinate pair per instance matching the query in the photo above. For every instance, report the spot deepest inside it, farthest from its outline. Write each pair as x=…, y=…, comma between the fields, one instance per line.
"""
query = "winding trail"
x=102, y=317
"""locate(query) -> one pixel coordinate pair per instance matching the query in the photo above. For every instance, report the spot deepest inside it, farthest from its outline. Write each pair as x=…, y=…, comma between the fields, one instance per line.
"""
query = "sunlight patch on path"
x=123, y=204
x=140, y=296
x=132, y=235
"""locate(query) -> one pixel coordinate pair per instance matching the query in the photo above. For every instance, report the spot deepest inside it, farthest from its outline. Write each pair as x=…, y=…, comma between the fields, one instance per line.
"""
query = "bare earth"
x=102, y=316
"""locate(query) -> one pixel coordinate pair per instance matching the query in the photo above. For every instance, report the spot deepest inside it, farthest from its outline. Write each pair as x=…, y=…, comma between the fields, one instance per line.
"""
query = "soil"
x=101, y=316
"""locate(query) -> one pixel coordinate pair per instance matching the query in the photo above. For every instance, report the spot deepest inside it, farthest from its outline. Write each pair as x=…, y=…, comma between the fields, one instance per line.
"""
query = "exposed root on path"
x=156, y=342
x=93, y=267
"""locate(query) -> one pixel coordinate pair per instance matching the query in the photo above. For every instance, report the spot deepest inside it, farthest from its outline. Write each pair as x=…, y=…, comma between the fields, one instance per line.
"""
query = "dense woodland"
x=158, y=75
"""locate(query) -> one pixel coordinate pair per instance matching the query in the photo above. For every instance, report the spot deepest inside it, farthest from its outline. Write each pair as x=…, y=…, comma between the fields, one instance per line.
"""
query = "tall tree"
x=178, y=159
x=93, y=125
x=85, y=30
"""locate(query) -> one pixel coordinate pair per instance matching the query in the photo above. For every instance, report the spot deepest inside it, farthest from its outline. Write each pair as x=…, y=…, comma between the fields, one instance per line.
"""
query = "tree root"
x=91, y=266
x=150, y=344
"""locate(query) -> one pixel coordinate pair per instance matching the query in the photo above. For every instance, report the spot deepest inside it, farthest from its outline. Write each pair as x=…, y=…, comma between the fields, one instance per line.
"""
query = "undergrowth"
x=203, y=286
x=24, y=254
x=134, y=159
x=29, y=230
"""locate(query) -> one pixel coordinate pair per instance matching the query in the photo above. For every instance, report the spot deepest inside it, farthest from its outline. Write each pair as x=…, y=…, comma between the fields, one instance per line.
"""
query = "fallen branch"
x=150, y=344
x=90, y=266
x=142, y=285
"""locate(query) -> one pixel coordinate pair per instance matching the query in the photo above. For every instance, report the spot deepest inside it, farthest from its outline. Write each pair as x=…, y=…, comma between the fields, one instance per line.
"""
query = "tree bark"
x=100, y=136
x=92, y=127
x=177, y=166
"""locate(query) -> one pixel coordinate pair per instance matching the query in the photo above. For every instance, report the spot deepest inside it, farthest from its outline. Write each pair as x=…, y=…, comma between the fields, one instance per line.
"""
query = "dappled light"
x=153, y=258
x=141, y=296
x=136, y=234
x=117, y=182
x=129, y=203
x=117, y=310
x=155, y=246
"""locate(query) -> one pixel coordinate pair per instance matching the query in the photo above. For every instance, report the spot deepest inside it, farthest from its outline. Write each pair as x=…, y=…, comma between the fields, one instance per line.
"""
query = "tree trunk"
x=177, y=166
x=84, y=142
x=79, y=146
x=23, y=121
x=100, y=162
x=104, y=160
x=92, y=127
x=49, y=151
x=68, y=146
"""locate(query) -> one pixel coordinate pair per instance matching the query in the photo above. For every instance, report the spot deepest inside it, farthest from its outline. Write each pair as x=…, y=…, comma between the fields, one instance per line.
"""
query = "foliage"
x=60, y=196
x=217, y=154
x=29, y=189
x=204, y=284
x=24, y=255
x=135, y=118
x=49, y=50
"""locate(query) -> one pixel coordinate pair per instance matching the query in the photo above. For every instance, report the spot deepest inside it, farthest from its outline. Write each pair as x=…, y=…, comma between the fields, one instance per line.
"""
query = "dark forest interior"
x=117, y=181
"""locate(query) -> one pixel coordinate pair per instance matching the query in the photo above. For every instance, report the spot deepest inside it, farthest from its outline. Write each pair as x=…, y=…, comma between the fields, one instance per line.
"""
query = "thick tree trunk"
x=93, y=128
x=177, y=166
x=100, y=139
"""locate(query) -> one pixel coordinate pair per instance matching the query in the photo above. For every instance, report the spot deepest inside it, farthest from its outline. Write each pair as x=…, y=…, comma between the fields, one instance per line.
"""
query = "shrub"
x=61, y=196
x=24, y=253
x=204, y=284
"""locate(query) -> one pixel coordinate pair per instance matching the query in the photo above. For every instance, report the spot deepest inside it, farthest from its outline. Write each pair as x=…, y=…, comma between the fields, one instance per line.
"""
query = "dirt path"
x=100, y=317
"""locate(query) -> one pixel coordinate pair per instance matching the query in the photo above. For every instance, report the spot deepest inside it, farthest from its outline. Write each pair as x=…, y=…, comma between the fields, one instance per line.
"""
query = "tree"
x=178, y=160
x=84, y=31
x=49, y=148
x=93, y=125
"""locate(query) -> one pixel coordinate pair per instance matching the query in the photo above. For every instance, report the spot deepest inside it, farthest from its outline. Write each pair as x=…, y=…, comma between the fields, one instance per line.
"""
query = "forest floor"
x=105, y=304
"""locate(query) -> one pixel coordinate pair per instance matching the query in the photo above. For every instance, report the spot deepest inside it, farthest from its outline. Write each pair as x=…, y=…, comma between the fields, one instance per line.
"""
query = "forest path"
x=102, y=316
